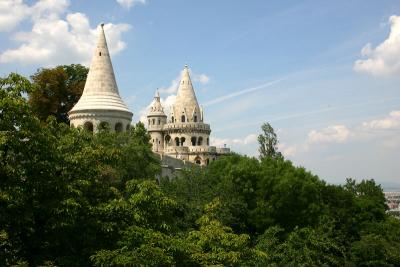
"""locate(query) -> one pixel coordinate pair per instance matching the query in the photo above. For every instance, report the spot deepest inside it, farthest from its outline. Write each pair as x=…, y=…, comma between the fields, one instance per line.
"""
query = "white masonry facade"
x=184, y=134
x=100, y=106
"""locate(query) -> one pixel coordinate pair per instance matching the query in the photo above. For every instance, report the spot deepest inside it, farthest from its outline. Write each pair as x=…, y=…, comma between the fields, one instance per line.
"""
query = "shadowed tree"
x=57, y=90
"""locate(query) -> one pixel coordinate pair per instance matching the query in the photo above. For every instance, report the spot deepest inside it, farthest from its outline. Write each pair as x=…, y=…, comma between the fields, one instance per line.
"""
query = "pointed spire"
x=101, y=90
x=156, y=108
x=186, y=98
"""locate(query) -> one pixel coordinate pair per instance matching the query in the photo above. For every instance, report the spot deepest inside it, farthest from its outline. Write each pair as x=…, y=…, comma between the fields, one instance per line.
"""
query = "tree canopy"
x=71, y=198
x=57, y=91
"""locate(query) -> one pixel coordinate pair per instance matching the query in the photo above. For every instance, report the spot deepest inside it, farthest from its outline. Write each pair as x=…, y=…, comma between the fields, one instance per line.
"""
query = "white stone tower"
x=156, y=120
x=183, y=135
x=100, y=105
x=186, y=108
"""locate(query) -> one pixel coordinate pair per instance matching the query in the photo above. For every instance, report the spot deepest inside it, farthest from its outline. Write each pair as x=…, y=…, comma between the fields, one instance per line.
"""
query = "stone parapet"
x=187, y=127
x=223, y=150
x=202, y=149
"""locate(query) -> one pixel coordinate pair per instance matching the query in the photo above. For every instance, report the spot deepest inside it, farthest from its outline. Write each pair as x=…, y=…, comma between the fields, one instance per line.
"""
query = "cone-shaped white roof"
x=156, y=108
x=186, y=101
x=101, y=90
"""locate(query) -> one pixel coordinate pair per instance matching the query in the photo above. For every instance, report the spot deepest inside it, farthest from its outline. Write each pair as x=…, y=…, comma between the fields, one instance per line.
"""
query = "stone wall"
x=171, y=167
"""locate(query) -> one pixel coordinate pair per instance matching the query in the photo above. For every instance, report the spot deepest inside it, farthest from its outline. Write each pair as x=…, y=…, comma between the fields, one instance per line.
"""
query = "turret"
x=185, y=108
x=100, y=105
x=156, y=119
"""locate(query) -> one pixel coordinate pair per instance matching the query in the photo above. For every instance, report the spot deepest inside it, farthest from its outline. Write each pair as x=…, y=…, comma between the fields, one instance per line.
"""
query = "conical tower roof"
x=156, y=108
x=101, y=90
x=186, y=96
x=186, y=101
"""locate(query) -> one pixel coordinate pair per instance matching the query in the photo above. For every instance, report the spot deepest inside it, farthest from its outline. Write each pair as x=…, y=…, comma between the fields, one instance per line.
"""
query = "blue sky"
x=325, y=74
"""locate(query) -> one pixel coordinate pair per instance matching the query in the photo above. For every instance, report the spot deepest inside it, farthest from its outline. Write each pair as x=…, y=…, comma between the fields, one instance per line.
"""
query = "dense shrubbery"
x=69, y=198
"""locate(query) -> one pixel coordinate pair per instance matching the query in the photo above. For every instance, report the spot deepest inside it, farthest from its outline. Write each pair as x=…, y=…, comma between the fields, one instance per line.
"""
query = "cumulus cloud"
x=287, y=150
x=331, y=134
x=385, y=58
x=9, y=20
x=129, y=3
x=58, y=37
x=390, y=122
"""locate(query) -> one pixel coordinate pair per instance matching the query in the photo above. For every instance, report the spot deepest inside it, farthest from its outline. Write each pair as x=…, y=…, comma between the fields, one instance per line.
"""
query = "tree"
x=57, y=90
x=303, y=247
x=56, y=180
x=379, y=244
x=268, y=142
x=215, y=244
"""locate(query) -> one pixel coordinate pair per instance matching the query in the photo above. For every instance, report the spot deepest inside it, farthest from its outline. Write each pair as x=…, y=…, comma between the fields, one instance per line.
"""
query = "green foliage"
x=57, y=90
x=379, y=244
x=268, y=142
x=303, y=247
x=71, y=198
x=217, y=245
x=55, y=181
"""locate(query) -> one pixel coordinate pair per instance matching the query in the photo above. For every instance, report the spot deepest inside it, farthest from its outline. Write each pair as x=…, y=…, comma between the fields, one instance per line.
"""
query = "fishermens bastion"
x=181, y=138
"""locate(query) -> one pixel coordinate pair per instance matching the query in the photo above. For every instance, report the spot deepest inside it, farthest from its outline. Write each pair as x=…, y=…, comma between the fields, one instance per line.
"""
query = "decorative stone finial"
x=102, y=24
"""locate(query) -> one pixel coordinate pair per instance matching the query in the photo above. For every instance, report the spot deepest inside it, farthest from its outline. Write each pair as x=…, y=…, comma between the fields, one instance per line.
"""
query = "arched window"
x=159, y=121
x=149, y=121
x=104, y=126
x=128, y=127
x=197, y=160
x=154, y=121
x=193, y=140
x=167, y=139
x=208, y=141
x=200, y=141
x=195, y=118
x=183, y=119
x=118, y=127
x=99, y=53
x=207, y=161
x=172, y=118
x=88, y=126
x=183, y=139
x=177, y=141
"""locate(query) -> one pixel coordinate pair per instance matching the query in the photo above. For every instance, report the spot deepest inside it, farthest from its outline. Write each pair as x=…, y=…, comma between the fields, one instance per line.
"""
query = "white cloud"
x=201, y=78
x=58, y=37
x=287, y=150
x=385, y=58
x=331, y=134
x=172, y=88
x=129, y=3
x=390, y=122
x=12, y=12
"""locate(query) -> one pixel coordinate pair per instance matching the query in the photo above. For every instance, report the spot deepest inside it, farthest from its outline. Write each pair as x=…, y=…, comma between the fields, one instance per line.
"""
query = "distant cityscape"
x=393, y=202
